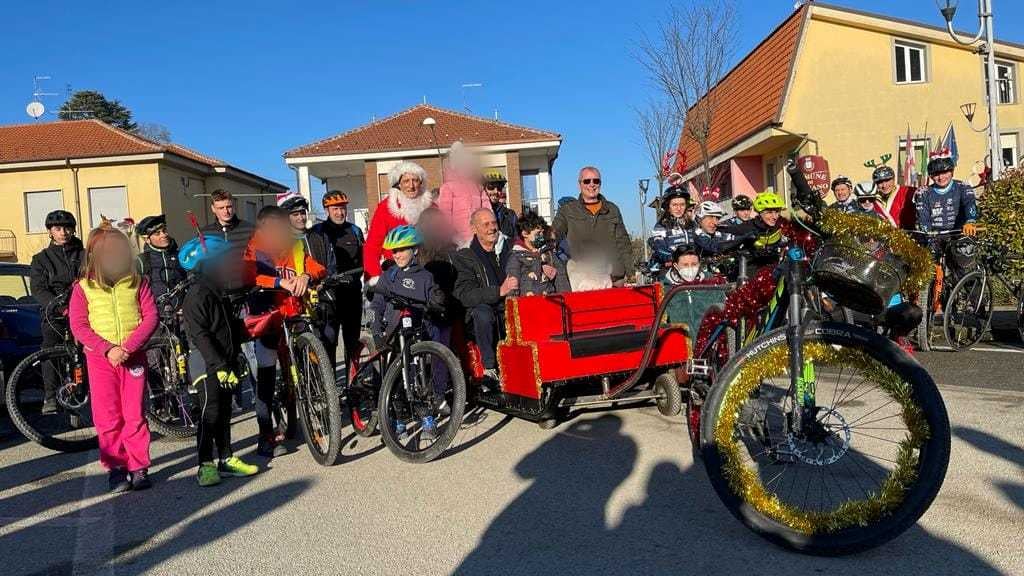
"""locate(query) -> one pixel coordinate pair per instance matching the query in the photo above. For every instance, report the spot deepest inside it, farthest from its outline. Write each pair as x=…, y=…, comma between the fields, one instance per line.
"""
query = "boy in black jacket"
x=217, y=334
x=410, y=280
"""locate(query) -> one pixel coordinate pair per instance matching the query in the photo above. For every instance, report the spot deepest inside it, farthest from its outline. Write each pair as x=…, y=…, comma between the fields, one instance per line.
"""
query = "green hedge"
x=1002, y=213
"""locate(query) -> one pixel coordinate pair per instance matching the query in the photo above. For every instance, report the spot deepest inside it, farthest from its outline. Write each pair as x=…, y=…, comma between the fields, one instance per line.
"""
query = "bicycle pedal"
x=698, y=367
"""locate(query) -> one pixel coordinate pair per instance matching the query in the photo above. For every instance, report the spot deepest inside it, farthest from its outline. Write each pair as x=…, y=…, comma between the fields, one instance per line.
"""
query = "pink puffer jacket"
x=458, y=199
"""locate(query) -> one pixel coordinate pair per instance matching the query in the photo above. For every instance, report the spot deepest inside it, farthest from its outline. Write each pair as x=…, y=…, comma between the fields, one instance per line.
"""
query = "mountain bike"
x=956, y=261
x=422, y=397
x=70, y=428
x=969, y=308
x=826, y=437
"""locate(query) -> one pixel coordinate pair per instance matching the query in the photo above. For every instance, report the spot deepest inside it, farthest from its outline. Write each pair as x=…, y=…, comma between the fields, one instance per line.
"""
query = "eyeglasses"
x=158, y=231
x=493, y=186
x=591, y=181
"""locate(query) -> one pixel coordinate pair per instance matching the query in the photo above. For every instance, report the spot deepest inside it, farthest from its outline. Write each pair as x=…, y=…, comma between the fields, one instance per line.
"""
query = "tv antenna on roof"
x=35, y=108
x=465, y=105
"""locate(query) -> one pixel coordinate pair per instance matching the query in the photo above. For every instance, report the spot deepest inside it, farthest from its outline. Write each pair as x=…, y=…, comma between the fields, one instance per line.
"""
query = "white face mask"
x=689, y=273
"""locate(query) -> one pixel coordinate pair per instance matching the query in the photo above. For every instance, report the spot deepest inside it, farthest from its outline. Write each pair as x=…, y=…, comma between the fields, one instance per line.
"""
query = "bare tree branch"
x=686, y=59
x=659, y=134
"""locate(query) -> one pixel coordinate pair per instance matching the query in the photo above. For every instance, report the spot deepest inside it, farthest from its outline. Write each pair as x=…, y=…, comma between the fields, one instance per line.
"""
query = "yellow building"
x=852, y=83
x=92, y=169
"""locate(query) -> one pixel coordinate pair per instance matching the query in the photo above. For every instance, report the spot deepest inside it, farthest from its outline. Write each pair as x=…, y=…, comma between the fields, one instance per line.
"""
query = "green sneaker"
x=208, y=474
x=234, y=466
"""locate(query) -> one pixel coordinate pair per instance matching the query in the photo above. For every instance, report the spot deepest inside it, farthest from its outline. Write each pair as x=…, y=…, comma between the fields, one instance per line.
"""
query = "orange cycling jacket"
x=266, y=270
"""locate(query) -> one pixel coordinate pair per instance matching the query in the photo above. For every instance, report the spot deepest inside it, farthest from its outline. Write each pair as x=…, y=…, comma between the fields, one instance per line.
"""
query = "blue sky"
x=246, y=81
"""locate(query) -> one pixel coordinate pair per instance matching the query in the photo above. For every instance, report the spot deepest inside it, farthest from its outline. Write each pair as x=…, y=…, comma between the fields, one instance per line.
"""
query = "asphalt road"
x=611, y=493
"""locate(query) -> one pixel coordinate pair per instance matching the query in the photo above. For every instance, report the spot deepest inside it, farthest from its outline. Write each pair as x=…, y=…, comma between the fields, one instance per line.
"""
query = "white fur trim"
x=406, y=167
x=408, y=209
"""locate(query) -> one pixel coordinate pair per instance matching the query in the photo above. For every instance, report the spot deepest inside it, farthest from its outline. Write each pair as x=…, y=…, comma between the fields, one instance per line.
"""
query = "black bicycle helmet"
x=673, y=193
x=295, y=204
x=150, y=224
x=61, y=218
x=940, y=165
x=841, y=180
x=883, y=173
x=742, y=202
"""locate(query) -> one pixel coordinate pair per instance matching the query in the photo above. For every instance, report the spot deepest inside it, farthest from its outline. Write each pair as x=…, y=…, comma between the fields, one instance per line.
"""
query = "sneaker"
x=279, y=450
x=140, y=480
x=49, y=406
x=265, y=447
x=118, y=481
x=208, y=474
x=234, y=466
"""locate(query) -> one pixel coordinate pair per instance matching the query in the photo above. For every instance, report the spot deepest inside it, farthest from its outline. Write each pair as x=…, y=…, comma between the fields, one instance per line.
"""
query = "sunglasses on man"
x=493, y=186
x=588, y=181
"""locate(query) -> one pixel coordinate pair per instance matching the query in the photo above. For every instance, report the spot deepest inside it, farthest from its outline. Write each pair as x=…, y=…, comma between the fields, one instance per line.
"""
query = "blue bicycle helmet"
x=402, y=237
x=192, y=254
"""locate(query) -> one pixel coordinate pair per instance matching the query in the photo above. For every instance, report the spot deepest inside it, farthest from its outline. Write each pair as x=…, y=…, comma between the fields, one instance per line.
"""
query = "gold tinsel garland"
x=847, y=228
x=746, y=483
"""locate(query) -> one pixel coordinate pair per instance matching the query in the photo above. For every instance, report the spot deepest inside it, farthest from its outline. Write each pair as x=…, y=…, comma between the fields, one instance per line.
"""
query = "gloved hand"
x=970, y=229
x=227, y=380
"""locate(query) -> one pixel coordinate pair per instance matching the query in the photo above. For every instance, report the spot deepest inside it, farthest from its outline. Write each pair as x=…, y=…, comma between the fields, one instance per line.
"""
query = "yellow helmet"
x=768, y=200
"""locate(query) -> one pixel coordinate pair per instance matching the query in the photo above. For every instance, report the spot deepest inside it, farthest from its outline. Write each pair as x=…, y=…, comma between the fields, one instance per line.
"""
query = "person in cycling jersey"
x=897, y=202
x=673, y=229
x=743, y=210
x=842, y=189
x=764, y=232
x=708, y=239
x=945, y=205
x=275, y=260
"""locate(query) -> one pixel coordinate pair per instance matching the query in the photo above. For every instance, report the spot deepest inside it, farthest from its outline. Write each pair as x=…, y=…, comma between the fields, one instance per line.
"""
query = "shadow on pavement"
x=560, y=524
x=1001, y=449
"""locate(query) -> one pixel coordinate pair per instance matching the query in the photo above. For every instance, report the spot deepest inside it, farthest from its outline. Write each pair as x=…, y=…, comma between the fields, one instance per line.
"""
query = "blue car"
x=19, y=316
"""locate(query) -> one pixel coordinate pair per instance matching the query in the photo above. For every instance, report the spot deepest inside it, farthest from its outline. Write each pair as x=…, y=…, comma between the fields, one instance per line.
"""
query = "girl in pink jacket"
x=461, y=194
x=112, y=314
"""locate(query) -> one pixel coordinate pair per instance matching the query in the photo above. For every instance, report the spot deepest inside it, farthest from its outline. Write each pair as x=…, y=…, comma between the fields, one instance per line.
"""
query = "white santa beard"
x=408, y=209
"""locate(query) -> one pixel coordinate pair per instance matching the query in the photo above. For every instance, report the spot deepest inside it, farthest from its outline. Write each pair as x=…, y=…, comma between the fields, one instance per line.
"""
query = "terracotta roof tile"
x=404, y=131
x=750, y=96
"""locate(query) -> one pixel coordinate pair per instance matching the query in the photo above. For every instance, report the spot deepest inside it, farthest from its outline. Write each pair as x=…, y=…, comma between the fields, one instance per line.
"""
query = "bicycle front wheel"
x=968, y=311
x=421, y=411
x=867, y=467
x=172, y=405
x=69, y=428
x=319, y=402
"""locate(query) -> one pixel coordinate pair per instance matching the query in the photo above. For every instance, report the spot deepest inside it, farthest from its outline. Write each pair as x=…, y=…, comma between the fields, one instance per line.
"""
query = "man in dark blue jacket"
x=947, y=204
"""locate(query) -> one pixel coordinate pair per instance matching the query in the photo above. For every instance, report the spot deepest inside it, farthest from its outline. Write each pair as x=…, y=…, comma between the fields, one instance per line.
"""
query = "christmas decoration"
x=745, y=481
x=852, y=228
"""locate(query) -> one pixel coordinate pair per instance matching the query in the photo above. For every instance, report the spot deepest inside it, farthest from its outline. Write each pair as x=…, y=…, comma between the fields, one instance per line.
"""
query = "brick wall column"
x=514, y=188
x=372, y=194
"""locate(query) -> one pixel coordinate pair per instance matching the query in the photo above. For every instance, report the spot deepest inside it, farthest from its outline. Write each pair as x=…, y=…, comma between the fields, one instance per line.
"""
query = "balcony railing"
x=8, y=244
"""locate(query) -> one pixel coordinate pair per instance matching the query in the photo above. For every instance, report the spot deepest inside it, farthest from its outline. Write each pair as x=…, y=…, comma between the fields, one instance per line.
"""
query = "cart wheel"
x=670, y=399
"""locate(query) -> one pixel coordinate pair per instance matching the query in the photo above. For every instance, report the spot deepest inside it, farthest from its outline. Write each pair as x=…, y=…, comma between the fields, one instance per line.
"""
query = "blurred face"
x=114, y=257
x=160, y=238
x=485, y=228
x=403, y=256
x=337, y=214
x=689, y=213
x=61, y=234
x=842, y=192
x=277, y=234
x=410, y=185
x=224, y=210
x=298, y=220
x=771, y=216
x=942, y=179
x=590, y=185
x=709, y=224
x=886, y=187
x=677, y=207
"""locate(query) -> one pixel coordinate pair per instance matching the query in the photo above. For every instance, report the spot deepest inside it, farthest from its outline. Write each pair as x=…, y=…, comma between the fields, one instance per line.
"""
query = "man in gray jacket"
x=594, y=229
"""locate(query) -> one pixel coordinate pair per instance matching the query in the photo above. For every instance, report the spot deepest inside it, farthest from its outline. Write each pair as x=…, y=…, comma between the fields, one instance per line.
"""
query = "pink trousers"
x=116, y=395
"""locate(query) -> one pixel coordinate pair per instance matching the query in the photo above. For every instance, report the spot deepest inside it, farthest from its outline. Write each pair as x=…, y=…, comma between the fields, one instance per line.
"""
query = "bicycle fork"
x=801, y=372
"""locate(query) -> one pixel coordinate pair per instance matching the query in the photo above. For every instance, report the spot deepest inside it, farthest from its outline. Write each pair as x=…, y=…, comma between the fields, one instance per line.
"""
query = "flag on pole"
x=949, y=146
x=909, y=164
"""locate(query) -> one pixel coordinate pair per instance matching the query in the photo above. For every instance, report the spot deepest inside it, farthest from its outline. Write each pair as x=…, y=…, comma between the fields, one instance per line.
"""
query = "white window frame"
x=1011, y=84
x=1015, y=146
x=909, y=47
x=94, y=218
x=39, y=225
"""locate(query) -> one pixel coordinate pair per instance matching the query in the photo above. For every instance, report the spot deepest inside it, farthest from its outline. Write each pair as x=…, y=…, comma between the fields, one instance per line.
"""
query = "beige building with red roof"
x=357, y=162
x=94, y=170
x=846, y=84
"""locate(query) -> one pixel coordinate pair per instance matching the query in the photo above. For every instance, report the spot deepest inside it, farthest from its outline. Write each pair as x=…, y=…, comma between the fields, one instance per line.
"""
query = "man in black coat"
x=481, y=286
x=159, y=258
x=494, y=186
x=231, y=228
x=338, y=245
x=53, y=271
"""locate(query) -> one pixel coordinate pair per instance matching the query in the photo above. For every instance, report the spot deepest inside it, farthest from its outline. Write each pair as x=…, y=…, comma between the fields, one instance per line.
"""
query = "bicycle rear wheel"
x=70, y=429
x=968, y=311
x=319, y=404
x=364, y=383
x=172, y=403
x=862, y=473
x=415, y=423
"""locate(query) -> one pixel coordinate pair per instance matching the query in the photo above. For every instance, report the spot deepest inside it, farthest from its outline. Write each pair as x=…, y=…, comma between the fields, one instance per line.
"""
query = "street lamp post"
x=988, y=48
x=643, y=184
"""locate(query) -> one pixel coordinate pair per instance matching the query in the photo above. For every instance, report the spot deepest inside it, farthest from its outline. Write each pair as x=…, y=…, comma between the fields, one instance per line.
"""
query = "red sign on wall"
x=815, y=170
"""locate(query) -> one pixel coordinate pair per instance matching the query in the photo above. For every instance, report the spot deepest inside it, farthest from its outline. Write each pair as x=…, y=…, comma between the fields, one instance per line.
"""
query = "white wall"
x=355, y=188
x=545, y=191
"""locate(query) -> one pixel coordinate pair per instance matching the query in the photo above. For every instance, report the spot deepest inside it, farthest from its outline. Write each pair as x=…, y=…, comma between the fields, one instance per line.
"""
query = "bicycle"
x=970, y=306
x=422, y=396
x=70, y=429
x=934, y=299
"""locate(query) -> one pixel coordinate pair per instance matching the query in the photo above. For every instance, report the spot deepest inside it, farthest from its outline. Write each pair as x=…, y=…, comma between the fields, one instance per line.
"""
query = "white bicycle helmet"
x=865, y=191
x=709, y=208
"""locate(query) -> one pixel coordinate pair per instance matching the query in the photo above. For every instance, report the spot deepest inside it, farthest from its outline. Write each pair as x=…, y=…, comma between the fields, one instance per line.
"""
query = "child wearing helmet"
x=709, y=240
x=743, y=210
x=764, y=231
x=674, y=228
x=406, y=277
x=216, y=333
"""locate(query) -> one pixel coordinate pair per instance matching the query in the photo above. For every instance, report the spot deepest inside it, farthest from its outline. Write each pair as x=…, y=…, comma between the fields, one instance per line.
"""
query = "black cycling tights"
x=266, y=383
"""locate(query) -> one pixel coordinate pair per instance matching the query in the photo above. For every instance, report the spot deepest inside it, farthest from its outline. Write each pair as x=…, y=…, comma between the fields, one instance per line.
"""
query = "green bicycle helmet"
x=402, y=237
x=768, y=201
